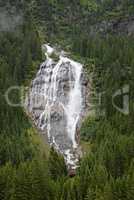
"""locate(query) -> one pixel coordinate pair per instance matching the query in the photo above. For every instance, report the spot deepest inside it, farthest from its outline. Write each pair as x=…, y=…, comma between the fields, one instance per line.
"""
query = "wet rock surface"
x=56, y=102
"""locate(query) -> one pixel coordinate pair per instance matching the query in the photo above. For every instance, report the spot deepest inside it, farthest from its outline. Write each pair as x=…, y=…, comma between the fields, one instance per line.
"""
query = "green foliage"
x=7, y=179
x=113, y=66
x=57, y=165
x=90, y=4
x=107, y=171
x=55, y=57
x=89, y=128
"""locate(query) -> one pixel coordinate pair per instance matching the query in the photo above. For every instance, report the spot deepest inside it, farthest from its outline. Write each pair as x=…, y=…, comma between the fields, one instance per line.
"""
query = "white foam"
x=72, y=108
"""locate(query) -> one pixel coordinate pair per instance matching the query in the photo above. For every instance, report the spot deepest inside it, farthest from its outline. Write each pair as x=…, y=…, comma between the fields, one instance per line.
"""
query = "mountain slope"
x=107, y=171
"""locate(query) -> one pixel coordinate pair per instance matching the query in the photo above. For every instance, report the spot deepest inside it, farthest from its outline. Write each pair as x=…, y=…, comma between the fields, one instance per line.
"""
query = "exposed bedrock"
x=57, y=102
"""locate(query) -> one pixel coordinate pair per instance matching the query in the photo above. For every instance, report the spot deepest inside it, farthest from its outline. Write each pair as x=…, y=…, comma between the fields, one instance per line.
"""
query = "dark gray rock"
x=117, y=26
x=47, y=103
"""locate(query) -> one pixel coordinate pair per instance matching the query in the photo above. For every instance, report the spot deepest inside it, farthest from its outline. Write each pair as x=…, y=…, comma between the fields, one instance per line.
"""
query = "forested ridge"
x=27, y=170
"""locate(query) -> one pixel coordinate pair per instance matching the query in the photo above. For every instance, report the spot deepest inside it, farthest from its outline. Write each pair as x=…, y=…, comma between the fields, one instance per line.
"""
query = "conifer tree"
x=57, y=165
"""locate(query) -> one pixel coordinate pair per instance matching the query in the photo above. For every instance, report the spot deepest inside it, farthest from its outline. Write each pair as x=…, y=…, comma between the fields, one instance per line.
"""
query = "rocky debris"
x=71, y=172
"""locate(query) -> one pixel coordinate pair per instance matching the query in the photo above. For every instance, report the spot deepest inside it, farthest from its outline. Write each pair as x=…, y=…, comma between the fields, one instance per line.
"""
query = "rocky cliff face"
x=117, y=26
x=56, y=102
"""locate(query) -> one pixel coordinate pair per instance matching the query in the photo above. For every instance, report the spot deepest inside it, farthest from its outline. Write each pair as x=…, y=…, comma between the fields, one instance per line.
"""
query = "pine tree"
x=57, y=165
x=7, y=176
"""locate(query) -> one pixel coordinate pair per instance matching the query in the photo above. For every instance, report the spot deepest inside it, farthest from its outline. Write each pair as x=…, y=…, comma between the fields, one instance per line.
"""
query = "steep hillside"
x=100, y=35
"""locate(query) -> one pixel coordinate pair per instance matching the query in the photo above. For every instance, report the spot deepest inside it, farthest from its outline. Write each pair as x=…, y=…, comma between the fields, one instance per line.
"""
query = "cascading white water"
x=75, y=103
x=58, y=95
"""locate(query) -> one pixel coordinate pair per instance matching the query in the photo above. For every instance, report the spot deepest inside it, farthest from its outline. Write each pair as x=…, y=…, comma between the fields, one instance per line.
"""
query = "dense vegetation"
x=107, y=171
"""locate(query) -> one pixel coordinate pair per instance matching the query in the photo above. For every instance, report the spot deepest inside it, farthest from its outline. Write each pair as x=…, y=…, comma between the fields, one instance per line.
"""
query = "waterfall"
x=55, y=103
x=75, y=102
